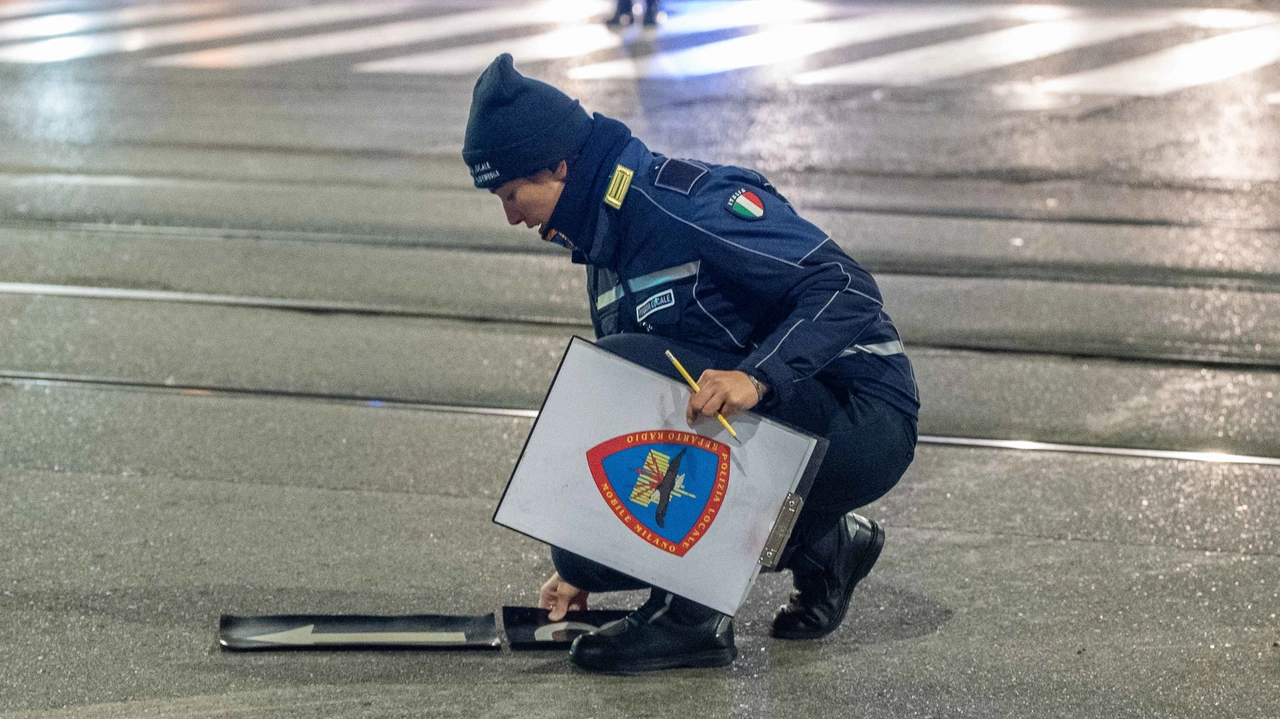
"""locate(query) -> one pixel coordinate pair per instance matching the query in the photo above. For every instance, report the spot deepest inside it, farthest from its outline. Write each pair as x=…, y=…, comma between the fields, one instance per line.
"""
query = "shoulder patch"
x=679, y=176
x=618, y=186
x=746, y=204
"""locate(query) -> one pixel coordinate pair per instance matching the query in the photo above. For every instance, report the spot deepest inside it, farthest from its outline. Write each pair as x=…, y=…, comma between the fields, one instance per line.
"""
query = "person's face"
x=531, y=200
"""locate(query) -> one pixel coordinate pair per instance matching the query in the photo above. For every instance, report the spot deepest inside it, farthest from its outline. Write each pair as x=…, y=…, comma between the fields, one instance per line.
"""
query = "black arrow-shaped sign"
x=311, y=631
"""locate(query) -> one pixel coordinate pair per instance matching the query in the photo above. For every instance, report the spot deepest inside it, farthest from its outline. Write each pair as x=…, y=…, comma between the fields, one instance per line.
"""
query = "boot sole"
x=869, y=558
x=710, y=658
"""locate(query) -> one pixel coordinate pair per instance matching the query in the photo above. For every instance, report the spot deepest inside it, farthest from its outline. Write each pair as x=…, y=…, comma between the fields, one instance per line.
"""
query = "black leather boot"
x=666, y=632
x=826, y=570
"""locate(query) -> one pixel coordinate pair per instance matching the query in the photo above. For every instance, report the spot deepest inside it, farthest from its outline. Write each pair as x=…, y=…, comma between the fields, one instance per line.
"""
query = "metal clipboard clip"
x=781, y=532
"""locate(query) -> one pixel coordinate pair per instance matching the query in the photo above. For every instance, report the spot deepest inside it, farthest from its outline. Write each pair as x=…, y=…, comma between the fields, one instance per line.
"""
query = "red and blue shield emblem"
x=666, y=486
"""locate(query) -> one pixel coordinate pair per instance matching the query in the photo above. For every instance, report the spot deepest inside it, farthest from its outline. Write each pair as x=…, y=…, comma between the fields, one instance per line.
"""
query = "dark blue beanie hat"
x=519, y=126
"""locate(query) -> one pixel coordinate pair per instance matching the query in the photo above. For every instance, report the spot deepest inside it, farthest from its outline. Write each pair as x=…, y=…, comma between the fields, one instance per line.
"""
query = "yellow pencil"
x=694, y=385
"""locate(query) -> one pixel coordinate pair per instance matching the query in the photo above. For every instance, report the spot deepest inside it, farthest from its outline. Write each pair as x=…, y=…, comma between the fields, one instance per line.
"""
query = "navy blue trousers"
x=871, y=445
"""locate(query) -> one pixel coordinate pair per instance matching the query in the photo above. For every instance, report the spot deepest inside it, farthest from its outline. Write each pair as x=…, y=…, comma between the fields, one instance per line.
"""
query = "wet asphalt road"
x=243, y=312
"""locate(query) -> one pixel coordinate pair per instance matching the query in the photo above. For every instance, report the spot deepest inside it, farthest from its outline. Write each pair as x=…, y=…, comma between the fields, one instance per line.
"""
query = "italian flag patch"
x=745, y=204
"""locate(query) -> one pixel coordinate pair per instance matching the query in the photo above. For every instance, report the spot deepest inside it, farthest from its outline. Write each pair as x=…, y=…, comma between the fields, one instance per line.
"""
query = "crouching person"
x=758, y=303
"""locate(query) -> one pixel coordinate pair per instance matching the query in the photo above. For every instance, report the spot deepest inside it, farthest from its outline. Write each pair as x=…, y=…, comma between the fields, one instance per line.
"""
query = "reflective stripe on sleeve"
x=671, y=274
x=644, y=282
x=884, y=349
x=609, y=297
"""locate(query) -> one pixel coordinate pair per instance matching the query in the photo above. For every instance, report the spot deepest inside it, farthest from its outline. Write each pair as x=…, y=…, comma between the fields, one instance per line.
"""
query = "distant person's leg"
x=622, y=15
x=651, y=12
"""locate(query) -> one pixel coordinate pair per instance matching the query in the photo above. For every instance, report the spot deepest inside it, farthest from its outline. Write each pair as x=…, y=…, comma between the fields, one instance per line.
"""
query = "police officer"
x=764, y=308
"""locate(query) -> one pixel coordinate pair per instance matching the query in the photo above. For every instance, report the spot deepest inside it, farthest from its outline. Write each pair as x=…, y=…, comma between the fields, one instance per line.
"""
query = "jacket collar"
x=577, y=212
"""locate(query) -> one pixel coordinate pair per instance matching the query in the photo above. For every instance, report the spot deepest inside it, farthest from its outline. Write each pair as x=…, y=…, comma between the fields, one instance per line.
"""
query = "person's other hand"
x=560, y=596
x=725, y=392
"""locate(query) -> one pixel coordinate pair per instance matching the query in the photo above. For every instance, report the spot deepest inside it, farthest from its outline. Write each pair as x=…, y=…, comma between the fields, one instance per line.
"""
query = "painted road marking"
x=36, y=8
x=1188, y=65
x=984, y=52
x=73, y=22
x=779, y=44
x=557, y=44
x=585, y=39
x=272, y=52
x=81, y=46
x=777, y=31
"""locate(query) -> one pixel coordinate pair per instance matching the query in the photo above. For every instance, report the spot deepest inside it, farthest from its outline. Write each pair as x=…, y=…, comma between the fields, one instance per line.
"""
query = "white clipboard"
x=612, y=472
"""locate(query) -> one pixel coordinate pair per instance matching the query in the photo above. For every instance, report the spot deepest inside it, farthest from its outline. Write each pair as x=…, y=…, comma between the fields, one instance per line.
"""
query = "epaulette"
x=619, y=183
x=679, y=175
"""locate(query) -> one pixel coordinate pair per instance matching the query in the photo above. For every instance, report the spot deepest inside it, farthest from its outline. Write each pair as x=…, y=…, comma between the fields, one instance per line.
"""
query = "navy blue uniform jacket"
x=675, y=248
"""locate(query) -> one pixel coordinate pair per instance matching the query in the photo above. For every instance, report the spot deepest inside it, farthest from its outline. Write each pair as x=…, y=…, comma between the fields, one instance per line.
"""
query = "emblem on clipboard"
x=666, y=486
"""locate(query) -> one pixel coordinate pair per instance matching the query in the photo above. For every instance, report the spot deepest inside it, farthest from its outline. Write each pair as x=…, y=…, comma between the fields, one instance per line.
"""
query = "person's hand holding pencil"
x=718, y=394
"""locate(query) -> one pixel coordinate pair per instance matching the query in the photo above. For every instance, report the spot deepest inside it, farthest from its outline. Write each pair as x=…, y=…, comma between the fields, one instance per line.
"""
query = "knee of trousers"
x=648, y=351
x=590, y=576
x=633, y=345
x=572, y=568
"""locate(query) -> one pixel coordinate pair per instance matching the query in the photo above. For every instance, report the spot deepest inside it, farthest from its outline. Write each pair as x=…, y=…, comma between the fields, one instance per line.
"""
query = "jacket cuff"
x=780, y=389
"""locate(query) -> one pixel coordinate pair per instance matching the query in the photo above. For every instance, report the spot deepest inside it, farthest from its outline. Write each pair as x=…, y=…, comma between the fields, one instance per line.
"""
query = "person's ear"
x=561, y=171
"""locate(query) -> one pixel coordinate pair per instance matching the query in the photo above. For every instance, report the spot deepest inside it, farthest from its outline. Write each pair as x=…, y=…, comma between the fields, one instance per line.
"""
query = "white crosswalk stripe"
x=74, y=22
x=1019, y=44
x=76, y=47
x=557, y=44
x=584, y=40
x=1190, y=65
x=739, y=35
x=984, y=52
x=724, y=15
x=21, y=9
x=273, y=52
x=780, y=44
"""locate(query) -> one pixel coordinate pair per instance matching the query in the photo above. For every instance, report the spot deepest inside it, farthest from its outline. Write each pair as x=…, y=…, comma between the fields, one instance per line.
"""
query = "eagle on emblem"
x=667, y=486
